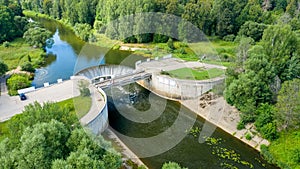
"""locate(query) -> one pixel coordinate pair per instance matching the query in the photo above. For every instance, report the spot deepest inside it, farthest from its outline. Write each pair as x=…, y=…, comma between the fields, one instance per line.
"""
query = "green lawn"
x=194, y=74
x=80, y=105
x=286, y=149
x=3, y=130
x=17, y=53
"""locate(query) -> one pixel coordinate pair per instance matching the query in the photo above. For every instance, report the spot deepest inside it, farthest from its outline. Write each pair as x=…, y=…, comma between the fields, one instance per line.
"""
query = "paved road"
x=10, y=106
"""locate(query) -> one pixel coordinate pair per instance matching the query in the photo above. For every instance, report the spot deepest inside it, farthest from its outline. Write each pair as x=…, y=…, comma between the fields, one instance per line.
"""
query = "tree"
x=36, y=113
x=288, y=105
x=3, y=68
x=253, y=30
x=252, y=87
x=37, y=36
x=171, y=165
x=83, y=31
x=225, y=13
x=242, y=50
x=7, y=31
x=265, y=121
x=251, y=12
x=41, y=144
x=282, y=49
x=50, y=136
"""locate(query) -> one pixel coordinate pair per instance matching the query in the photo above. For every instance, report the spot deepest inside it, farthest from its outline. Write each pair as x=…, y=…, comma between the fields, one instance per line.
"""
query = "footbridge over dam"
x=113, y=75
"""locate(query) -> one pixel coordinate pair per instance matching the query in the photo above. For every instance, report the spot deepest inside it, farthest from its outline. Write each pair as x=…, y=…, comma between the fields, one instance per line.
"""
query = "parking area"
x=10, y=106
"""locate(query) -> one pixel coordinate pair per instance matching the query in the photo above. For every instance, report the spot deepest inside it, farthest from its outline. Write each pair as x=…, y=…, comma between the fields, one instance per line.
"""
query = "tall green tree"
x=288, y=105
x=8, y=30
x=37, y=36
x=252, y=87
x=253, y=30
x=282, y=49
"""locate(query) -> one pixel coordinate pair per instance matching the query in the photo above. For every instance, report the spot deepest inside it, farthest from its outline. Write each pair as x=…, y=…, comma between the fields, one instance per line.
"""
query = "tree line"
x=214, y=17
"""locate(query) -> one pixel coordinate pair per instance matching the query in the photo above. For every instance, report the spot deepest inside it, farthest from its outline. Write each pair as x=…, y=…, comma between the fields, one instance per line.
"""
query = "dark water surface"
x=221, y=150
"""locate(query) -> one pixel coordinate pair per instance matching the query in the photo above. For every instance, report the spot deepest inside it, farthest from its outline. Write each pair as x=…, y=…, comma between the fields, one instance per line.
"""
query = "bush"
x=3, y=68
x=181, y=50
x=266, y=154
x=248, y=136
x=269, y=131
x=27, y=67
x=240, y=125
x=16, y=82
x=229, y=38
x=265, y=115
x=170, y=44
x=171, y=165
x=6, y=44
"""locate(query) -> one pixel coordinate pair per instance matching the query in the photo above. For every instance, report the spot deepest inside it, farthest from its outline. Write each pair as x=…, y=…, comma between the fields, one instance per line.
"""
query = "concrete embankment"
x=121, y=147
x=218, y=112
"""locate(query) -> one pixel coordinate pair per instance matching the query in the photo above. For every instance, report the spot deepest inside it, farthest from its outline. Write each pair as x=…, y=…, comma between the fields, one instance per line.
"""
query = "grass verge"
x=80, y=105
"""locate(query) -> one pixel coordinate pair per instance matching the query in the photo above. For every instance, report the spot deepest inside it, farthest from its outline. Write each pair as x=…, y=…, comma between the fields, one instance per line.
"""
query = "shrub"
x=16, y=82
x=265, y=115
x=3, y=68
x=27, y=67
x=248, y=136
x=266, y=154
x=269, y=131
x=170, y=44
x=240, y=125
x=229, y=38
x=6, y=44
x=172, y=165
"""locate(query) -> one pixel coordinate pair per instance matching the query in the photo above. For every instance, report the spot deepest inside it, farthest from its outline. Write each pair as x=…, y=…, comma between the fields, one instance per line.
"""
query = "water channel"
x=220, y=151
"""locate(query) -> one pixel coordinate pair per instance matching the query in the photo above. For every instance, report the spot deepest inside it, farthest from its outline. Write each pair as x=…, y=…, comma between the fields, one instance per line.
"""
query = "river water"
x=220, y=150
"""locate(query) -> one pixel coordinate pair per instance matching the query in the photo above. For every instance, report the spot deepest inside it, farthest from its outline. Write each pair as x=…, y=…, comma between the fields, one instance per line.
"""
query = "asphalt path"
x=10, y=106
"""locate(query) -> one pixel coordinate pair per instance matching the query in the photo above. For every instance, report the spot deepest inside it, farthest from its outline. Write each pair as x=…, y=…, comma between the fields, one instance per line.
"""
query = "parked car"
x=23, y=96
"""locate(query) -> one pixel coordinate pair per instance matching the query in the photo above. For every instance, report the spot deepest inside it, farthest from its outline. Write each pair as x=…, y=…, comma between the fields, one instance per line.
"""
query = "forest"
x=263, y=82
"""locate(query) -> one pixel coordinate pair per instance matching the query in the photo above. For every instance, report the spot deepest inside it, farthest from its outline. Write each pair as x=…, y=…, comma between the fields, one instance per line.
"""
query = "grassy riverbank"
x=18, y=52
x=216, y=51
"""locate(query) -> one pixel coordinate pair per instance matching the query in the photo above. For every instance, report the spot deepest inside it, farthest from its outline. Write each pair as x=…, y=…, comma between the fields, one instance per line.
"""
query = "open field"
x=19, y=52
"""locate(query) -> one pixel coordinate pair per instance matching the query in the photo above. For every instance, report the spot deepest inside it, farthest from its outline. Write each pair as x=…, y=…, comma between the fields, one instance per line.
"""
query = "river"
x=221, y=150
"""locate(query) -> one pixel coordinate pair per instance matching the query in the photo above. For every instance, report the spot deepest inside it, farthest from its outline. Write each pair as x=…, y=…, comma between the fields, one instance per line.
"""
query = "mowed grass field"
x=194, y=74
x=17, y=53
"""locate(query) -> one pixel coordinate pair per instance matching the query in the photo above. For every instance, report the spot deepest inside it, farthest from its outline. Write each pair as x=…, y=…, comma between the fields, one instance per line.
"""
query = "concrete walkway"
x=10, y=106
x=173, y=64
